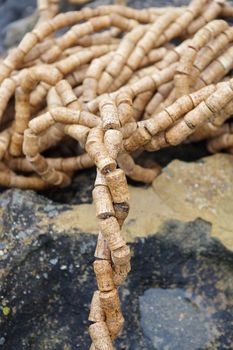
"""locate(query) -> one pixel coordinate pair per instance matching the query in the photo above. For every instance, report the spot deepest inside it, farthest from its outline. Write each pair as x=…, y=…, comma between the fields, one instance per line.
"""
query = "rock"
x=146, y=3
x=47, y=282
x=184, y=191
x=188, y=306
x=17, y=17
x=159, y=3
x=17, y=29
x=13, y=10
x=46, y=255
x=202, y=189
x=171, y=321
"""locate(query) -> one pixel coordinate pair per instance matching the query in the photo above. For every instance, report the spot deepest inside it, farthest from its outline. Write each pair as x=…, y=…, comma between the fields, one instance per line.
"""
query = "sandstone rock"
x=202, y=189
x=184, y=191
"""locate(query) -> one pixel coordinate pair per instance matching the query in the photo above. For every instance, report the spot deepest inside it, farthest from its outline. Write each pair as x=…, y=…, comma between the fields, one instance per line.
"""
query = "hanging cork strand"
x=47, y=9
x=113, y=86
x=182, y=79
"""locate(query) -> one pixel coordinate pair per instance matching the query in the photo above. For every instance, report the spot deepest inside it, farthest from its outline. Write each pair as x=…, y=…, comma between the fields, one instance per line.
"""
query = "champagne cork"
x=113, y=142
x=4, y=142
x=111, y=232
x=125, y=108
x=120, y=274
x=220, y=142
x=96, y=312
x=39, y=163
x=78, y=132
x=98, y=152
x=30, y=144
x=100, y=179
x=16, y=145
x=109, y=114
x=65, y=92
x=102, y=250
x=100, y=336
x=157, y=142
x=103, y=271
x=128, y=128
x=103, y=202
x=117, y=184
x=145, y=175
x=121, y=256
x=126, y=162
x=137, y=139
x=121, y=212
x=219, y=98
x=121, y=259
x=111, y=305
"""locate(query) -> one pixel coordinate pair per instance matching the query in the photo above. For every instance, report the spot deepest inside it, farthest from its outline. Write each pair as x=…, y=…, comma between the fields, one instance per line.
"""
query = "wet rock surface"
x=47, y=283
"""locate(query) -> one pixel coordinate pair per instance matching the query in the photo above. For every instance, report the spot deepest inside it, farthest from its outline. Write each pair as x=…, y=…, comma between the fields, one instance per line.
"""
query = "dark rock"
x=17, y=17
x=47, y=283
x=13, y=10
x=171, y=321
x=79, y=191
x=17, y=29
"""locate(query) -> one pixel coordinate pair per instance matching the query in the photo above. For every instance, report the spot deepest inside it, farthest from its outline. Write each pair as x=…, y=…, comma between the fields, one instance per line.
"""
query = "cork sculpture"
x=117, y=85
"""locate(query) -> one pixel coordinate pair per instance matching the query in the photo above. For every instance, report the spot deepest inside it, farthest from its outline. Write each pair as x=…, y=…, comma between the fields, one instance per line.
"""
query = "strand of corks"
x=114, y=85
